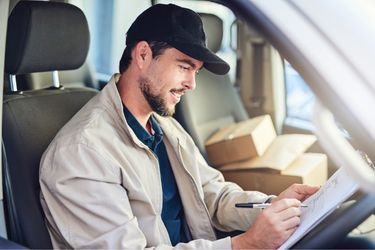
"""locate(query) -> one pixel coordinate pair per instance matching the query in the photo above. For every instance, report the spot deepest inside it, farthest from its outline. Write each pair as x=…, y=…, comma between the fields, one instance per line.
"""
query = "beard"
x=156, y=102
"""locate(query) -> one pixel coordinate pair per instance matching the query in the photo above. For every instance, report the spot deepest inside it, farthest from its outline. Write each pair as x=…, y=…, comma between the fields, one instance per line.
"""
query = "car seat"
x=41, y=36
x=81, y=77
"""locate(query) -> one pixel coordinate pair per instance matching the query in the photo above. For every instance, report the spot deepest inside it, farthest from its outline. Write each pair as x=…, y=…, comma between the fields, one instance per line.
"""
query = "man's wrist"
x=244, y=241
x=237, y=242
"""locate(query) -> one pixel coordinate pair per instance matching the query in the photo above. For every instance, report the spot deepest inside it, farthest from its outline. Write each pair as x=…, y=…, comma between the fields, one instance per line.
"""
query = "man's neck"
x=134, y=100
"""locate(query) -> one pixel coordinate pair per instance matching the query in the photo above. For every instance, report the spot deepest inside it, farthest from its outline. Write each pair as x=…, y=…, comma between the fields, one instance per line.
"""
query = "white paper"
x=335, y=191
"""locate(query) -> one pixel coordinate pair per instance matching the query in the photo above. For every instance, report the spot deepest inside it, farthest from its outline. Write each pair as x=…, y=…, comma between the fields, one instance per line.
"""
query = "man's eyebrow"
x=191, y=63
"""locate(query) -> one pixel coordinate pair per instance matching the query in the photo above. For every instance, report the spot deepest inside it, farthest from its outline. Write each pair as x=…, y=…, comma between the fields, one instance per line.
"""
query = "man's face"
x=166, y=79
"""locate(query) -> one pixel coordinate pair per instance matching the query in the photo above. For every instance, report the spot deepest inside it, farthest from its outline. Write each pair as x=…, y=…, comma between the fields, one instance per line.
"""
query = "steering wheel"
x=332, y=231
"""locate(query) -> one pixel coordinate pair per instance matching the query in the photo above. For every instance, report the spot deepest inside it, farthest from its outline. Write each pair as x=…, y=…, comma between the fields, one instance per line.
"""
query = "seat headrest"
x=45, y=36
x=213, y=27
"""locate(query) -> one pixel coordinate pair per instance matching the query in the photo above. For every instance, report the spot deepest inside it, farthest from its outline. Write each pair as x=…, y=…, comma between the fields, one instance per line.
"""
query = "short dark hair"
x=157, y=49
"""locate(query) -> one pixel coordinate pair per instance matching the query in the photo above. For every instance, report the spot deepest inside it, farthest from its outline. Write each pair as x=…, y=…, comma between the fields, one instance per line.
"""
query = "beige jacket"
x=101, y=186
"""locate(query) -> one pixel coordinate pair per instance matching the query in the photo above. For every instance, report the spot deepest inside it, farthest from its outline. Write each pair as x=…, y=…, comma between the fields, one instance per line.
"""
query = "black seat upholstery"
x=42, y=36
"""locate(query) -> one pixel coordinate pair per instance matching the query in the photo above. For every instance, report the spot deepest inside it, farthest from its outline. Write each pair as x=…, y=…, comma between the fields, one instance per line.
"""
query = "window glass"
x=108, y=22
x=299, y=97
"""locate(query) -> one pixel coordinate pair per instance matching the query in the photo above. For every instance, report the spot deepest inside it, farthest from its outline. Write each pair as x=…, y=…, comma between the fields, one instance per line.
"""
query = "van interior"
x=59, y=54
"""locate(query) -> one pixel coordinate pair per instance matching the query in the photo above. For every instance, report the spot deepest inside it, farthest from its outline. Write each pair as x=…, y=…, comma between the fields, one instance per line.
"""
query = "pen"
x=258, y=205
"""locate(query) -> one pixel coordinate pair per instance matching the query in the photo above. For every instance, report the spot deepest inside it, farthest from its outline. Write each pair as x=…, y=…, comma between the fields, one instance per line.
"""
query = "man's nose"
x=190, y=83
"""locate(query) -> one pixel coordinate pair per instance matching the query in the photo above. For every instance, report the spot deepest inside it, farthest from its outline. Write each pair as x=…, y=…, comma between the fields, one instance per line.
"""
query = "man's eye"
x=184, y=67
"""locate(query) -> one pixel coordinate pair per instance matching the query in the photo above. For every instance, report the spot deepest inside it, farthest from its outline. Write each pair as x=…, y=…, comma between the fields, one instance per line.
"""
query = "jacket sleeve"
x=220, y=198
x=87, y=207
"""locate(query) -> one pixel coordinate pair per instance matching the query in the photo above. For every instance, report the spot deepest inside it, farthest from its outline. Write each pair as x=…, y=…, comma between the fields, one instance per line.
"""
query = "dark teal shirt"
x=172, y=212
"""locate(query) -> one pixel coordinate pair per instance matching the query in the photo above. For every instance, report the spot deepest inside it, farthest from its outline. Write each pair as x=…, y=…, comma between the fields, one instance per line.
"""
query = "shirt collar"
x=141, y=132
x=155, y=126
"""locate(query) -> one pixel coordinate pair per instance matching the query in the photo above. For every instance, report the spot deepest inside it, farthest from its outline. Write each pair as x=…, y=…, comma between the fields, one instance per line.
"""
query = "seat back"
x=81, y=77
x=215, y=102
x=41, y=36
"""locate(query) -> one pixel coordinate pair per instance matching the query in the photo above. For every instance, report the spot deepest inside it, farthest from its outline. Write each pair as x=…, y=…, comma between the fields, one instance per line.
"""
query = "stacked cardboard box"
x=250, y=154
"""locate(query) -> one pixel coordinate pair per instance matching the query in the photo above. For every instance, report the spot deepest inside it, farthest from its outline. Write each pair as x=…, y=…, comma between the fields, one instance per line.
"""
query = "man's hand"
x=297, y=191
x=272, y=227
x=277, y=222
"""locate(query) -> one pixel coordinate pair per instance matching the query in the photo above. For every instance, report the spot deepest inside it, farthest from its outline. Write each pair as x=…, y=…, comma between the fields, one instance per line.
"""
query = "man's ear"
x=142, y=54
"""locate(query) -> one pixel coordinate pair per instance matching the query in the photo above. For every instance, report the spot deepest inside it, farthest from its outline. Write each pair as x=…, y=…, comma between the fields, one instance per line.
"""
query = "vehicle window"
x=108, y=25
x=299, y=97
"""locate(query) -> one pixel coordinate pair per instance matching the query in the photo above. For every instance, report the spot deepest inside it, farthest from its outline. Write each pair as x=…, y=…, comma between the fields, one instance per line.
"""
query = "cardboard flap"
x=280, y=154
x=241, y=129
x=308, y=168
x=309, y=161
x=240, y=141
x=222, y=134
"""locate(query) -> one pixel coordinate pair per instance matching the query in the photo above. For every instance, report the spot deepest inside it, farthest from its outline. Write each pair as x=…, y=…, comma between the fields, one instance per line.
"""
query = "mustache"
x=179, y=91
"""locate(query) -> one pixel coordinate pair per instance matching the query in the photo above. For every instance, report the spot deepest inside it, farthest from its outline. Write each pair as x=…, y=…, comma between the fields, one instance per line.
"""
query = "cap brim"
x=210, y=61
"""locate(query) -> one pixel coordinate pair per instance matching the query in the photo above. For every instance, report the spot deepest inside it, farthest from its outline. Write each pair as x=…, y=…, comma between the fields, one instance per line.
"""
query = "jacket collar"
x=113, y=103
x=172, y=130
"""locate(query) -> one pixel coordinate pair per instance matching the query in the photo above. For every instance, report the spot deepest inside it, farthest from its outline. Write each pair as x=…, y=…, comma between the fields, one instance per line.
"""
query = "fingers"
x=284, y=235
x=299, y=191
x=274, y=225
x=305, y=189
x=291, y=230
x=292, y=222
x=283, y=204
x=288, y=212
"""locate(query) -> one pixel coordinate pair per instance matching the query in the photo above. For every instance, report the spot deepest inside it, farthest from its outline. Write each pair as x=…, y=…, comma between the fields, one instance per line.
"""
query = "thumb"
x=305, y=190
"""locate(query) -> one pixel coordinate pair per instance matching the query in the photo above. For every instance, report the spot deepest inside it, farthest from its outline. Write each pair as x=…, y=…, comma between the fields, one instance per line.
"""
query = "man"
x=124, y=174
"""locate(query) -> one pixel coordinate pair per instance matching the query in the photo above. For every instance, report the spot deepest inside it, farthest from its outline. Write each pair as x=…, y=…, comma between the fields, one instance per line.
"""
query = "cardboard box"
x=308, y=168
x=279, y=155
x=240, y=141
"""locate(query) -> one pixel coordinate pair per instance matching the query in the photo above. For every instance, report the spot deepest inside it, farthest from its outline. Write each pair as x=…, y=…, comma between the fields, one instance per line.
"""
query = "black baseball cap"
x=179, y=27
